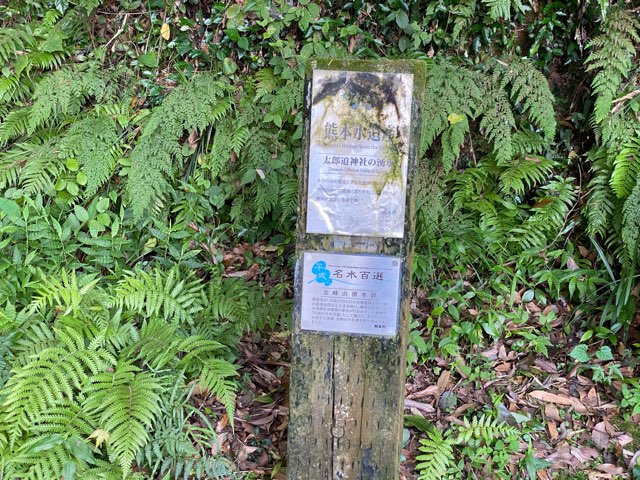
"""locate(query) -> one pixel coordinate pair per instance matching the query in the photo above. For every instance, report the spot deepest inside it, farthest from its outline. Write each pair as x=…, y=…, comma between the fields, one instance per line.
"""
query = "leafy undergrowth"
x=149, y=164
x=552, y=419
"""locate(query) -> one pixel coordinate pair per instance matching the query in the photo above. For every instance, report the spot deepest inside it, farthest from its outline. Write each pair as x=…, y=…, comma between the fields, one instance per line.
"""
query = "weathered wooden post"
x=353, y=276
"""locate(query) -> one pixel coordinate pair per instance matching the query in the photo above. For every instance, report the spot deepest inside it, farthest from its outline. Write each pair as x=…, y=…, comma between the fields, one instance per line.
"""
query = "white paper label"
x=360, y=124
x=358, y=294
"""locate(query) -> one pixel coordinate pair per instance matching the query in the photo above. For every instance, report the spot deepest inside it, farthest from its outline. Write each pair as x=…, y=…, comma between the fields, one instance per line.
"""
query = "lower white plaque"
x=357, y=294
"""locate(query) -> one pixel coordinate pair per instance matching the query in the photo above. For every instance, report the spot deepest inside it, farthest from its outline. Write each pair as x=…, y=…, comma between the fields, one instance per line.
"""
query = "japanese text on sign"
x=350, y=293
x=358, y=153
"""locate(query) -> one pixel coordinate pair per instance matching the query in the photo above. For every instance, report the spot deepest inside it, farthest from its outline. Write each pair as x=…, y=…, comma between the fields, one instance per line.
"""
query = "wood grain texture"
x=347, y=391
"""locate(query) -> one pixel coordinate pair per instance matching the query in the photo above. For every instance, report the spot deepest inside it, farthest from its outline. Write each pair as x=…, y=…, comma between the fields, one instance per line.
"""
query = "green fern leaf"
x=64, y=92
x=14, y=125
x=436, y=456
x=454, y=98
x=626, y=168
x=127, y=404
x=54, y=374
x=612, y=55
x=631, y=222
x=190, y=107
x=501, y=9
x=93, y=142
x=217, y=378
x=12, y=41
x=601, y=202
x=160, y=293
x=525, y=173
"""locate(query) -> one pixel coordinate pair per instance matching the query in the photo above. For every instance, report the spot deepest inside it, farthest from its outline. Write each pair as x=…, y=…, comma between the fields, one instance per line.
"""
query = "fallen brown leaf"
x=610, y=469
x=551, y=397
x=600, y=436
x=425, y=407
x=551, y=412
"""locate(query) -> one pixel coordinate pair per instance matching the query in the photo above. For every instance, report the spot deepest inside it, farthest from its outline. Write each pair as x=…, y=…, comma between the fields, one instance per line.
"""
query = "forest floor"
x=575, y=425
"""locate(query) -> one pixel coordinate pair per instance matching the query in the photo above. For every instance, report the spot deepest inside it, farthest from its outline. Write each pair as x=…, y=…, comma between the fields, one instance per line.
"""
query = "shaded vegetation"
x=149, y=164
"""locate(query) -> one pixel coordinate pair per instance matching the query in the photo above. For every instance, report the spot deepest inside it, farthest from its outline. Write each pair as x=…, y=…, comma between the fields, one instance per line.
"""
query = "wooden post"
x=353, y=276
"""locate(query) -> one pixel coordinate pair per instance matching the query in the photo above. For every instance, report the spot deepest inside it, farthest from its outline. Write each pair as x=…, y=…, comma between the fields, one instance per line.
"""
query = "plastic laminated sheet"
x=358, y=153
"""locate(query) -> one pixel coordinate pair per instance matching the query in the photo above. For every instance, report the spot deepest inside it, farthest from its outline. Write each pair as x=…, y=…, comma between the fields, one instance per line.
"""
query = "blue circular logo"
x=323, y=275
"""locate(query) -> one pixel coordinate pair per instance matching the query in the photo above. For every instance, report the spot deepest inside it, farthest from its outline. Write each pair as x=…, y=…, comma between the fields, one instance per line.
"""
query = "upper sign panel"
x=359, y=144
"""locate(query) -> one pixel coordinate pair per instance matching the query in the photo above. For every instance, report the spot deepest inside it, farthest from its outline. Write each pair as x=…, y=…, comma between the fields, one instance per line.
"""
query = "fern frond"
x=626, y=168
x=227, y=299
x=501, y=9
x=14, y=125
x=32, y=165
x=47, y=60
x=33, y=339
x=498, y=123
x=612, y=55
x=17, y=87
x=127, y=403
x=471, y=182
x=550, y=213
x=266, y=82
x=284, y=101
x=63, y=93
x=217, y=378
x=601, y=202
x=52, y=375
x=530, y=89
x=452, y=140
x=289, y=197
x=195, y=349
x=12, y=41
x=93, y=142
x=223, y=145
x=35, y=464
x=524, y=173
x=160, y=293
x=66, y=418
x=436, y=456
x=484, y=428
x=455, y=99
x=631, y=222
x=190, y=107
x=158, y=344
x=65, y=293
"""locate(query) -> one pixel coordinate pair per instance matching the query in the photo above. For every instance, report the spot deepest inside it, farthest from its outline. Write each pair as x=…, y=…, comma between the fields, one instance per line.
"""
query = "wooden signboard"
x=353, y=275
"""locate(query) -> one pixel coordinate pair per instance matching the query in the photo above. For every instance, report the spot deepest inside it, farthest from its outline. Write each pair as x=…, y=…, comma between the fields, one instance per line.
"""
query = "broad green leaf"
x=604, y=353
x=10, y=208
x=149, y=60
x=228, y=66
x=103, y=205
x=580, y=353
x=527, y=296
x=418, y=422
x=69, y=471
x=72, y=164
x=73, y=188
x=81, y=178
x=80, y=449
x=402, y=19
x=46, y=443
x=81, y=213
